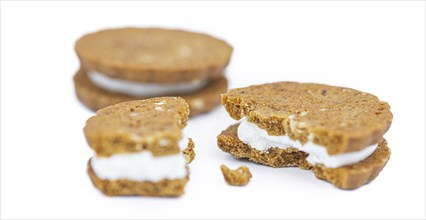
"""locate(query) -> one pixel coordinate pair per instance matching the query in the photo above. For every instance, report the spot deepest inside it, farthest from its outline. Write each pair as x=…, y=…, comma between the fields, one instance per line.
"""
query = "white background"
x=376, y=47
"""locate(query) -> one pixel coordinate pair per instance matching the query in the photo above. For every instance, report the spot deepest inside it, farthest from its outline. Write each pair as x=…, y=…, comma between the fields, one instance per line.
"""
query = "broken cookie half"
x=334, y=131
x=139, y=147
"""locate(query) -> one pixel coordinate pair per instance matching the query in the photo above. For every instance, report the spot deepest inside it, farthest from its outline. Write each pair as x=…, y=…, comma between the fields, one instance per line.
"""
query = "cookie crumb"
x=238, y=177
x=189, y=152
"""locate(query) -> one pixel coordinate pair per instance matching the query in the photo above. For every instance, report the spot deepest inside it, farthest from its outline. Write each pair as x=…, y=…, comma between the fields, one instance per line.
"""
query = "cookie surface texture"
x=342, y=119
x=139, y=147
x=346, y=177
x=153, y=54
x=334, y=131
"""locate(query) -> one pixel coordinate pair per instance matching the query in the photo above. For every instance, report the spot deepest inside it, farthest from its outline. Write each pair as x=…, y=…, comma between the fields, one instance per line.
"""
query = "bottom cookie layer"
x=346, y=177
x=96, y=98
x=163, y=188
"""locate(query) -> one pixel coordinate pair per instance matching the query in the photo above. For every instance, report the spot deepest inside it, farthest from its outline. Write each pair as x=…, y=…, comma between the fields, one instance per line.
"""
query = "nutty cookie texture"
x=339, y=120
x=189, y=152
x=154, y=55
x=346, y=177
x=152, y=124
x=124, y=64
x=342, y=119
x=140, y=148
x=239, y=177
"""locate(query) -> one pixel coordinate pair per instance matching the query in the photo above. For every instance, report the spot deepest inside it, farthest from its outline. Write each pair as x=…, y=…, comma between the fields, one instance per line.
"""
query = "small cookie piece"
x=137, y=63
x=138, y=146
x=238, y=177
x=337, y=132
x=189, y=152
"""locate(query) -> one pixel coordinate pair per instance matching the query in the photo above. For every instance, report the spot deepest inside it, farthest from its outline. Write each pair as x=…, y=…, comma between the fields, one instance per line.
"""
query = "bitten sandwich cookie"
x=334, y=131
x=136, y=63
x=138, y=146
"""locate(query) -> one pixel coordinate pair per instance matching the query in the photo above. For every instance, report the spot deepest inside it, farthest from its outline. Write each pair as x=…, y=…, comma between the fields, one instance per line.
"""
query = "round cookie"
x=336, y=132
x=154, y=55
x=123, y=127
x=341, y=119
x=96, y=98
x=140, y=147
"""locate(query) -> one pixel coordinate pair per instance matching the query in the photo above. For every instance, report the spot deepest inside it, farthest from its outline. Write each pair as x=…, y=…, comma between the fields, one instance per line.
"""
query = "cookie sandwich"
x=139, y=147
x=125, y=64
x=336, y=132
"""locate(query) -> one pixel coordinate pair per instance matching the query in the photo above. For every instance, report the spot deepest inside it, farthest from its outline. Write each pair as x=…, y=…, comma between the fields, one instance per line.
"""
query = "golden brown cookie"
x=125, y=64
x=154, y=55
x=189, y=152
x=96, y=98
x=346, y=177
x=139, y=147
x=152, y=124
x=239, y=177
x=337, y=132
x=342, y=119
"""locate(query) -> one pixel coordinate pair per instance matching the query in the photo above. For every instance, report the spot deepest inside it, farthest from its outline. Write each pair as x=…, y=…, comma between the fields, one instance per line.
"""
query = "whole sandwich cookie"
x=136, y=63
x=139, y=147
x=334, y=131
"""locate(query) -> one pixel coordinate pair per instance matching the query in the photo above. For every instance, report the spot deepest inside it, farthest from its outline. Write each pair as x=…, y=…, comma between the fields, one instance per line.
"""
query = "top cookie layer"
x=154, y=55
x=342, y=119
x=152, y=124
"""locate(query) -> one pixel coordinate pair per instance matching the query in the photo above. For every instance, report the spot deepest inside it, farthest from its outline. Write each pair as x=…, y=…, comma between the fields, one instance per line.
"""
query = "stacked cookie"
x=337, y=132
x=140, y=147
x=124, y=64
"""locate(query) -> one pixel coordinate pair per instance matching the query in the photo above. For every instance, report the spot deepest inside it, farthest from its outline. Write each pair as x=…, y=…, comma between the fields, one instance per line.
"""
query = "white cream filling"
x=259, y=139
x=141, y=166
x=143, y=89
